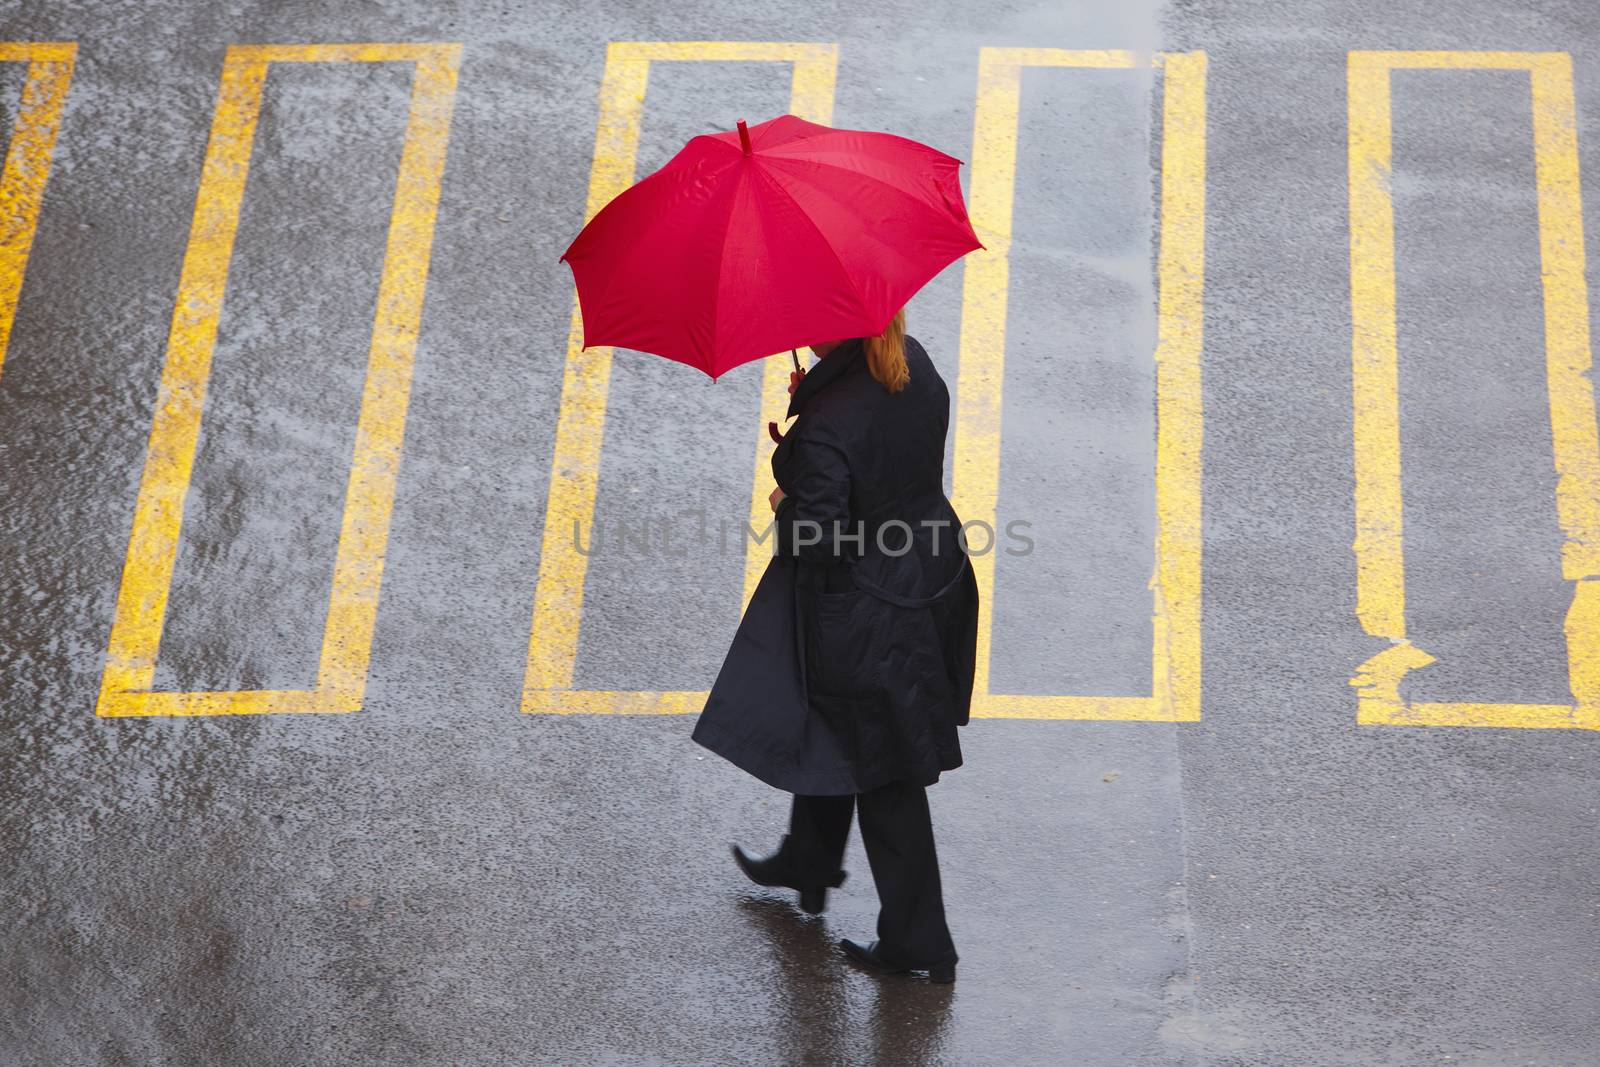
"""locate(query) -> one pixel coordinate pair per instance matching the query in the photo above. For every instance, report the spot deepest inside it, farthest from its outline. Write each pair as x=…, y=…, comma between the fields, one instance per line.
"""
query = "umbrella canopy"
x=766, y=238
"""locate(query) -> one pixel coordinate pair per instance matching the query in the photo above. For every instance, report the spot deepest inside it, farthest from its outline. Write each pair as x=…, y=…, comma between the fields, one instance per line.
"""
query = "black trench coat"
x=853, y=664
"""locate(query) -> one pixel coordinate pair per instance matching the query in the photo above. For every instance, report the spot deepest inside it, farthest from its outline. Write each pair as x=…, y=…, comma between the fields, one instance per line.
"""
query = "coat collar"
x=827, y=369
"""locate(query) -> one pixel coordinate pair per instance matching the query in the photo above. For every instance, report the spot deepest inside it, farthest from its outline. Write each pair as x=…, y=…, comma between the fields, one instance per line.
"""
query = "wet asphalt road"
x=438, y=879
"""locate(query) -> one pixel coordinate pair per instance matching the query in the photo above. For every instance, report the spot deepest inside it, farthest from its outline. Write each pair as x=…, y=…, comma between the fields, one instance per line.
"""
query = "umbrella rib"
x=861, y=302
x=778, y=153
x=931, y=208
x=887, y=248
x=716, y=289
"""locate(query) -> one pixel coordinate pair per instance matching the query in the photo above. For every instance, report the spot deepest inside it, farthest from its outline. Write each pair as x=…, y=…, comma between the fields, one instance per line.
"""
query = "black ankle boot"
x=775, y=870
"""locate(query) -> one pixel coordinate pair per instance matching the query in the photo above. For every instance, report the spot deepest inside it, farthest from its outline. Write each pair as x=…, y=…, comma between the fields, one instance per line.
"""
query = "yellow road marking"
x=1379, y=541
x=580, y=425
x=1175, y=583
x=158, y=515
x=811, y=99
x=27, y=163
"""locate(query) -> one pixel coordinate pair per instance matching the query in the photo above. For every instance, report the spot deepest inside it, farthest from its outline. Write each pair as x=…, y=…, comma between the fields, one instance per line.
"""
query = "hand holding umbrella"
x=795, y=376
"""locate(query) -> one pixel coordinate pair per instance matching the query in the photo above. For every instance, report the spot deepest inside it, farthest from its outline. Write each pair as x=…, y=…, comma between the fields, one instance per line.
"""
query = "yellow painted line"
x=158, y=515
x=575, y=468
x=1048, y=706
x=1582, y=630
x=1176, y=581
x=580, y=425
x=1576, y=438
x=1387, y=61
x=1524, y=716
x=811, y=98
x=1379, y=541
x=975, y=470
x=27, y=162
x=613, y=702
x=1180, y=411
x=1380, y=563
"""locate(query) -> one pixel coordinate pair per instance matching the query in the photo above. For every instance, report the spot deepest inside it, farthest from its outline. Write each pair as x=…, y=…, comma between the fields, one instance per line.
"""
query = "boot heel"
x=943, y=974
x=813, y=901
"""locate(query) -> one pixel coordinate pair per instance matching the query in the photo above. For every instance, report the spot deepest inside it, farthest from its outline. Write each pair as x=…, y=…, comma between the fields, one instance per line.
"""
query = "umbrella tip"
x=744, y=137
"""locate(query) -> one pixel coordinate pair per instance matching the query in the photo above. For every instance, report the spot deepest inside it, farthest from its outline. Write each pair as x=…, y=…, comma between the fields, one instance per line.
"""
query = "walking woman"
x=853, y=665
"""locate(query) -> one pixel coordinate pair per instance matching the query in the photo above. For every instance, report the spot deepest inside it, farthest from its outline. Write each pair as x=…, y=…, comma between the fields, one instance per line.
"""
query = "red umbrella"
x=778, y=235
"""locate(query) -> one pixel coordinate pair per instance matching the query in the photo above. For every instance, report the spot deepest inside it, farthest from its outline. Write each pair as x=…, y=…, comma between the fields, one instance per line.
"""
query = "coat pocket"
x=842, y=650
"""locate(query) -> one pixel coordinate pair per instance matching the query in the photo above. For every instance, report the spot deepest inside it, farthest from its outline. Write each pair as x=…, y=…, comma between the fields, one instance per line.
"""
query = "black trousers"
x=897, y=830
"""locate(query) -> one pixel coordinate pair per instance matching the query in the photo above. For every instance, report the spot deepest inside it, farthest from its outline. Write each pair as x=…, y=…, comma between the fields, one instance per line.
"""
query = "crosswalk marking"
x=1175, y=685
x=1379, y=543
x=27, y=163
x=1175, y=694
x=558, y=599
x=125, y=688
x=575, y=468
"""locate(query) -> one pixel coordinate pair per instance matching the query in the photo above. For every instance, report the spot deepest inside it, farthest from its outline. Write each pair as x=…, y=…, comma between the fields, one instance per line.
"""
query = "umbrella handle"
x=794, y=354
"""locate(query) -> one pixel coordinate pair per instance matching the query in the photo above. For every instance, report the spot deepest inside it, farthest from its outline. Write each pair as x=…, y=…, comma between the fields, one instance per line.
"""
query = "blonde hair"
x=886, y=354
